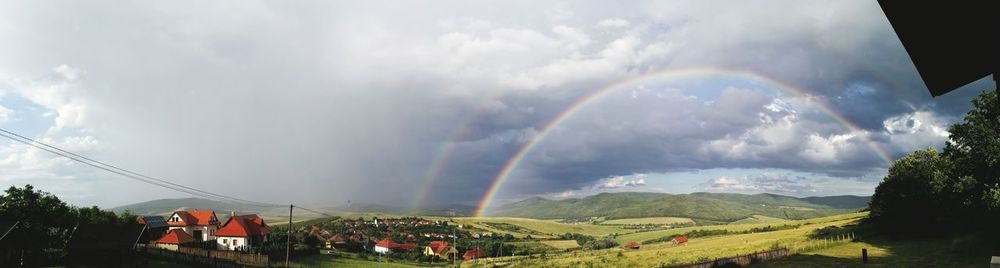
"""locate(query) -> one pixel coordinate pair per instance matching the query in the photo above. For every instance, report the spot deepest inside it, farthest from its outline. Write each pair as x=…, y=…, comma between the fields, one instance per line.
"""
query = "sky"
x=425, y=103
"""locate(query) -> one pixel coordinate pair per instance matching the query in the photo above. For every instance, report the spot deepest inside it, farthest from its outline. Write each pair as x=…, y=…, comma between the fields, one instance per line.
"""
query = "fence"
x=742, y=260
x=213, y=258
x=774, y=254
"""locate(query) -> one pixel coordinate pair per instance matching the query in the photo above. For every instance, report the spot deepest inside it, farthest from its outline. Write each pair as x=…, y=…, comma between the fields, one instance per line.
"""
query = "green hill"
x=712, y=207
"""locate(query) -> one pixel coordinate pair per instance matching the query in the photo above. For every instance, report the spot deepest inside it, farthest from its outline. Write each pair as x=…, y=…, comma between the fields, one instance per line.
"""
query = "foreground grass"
x=884, y=253
x=650, y=220
x=343, y=259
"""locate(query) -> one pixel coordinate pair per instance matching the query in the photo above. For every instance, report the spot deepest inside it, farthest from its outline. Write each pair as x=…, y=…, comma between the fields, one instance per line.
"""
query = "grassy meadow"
x=650, y=220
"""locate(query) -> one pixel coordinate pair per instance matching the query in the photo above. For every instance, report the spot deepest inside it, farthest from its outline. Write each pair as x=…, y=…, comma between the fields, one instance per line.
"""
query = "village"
x=248, y=239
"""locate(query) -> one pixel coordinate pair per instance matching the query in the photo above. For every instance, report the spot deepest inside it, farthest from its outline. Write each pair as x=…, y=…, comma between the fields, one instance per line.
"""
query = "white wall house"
x=200, y=224
x=244, y=232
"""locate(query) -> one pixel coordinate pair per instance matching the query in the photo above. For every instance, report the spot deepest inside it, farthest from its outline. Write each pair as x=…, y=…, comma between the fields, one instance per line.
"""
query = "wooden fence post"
x=864, y=255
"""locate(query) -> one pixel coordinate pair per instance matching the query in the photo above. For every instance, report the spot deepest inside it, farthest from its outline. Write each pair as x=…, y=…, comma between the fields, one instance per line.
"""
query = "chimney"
x=232, y=213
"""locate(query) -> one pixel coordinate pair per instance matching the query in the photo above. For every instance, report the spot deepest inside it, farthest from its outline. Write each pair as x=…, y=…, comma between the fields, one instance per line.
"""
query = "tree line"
x=48, y=221
x=957, y=189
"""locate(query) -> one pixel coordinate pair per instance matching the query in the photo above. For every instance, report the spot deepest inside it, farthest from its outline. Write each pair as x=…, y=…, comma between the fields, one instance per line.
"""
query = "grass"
x=758, y=219
x=540, y=228
x=697, y=249
x=643, y=236
x=345, y=259
x=561, y=244
x=650, y=220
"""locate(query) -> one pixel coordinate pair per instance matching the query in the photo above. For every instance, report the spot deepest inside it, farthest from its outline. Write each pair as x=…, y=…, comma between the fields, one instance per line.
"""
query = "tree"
x=958, y=189
x=906, y=197
x=974, y=147
x=44, y=219
x=94, y=215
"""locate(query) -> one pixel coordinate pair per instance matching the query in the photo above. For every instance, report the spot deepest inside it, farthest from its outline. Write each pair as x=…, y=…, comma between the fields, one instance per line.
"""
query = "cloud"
x=5, y=114
x=762, y=183
x=613, y=23
x=319, y=102
x=622, y=181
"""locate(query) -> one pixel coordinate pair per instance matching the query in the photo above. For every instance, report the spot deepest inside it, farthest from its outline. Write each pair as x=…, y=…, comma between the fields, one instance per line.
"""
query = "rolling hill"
x=719, y=207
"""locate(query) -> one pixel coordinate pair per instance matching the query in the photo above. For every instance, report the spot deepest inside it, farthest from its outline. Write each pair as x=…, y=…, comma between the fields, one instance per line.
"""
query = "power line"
x=130, y=174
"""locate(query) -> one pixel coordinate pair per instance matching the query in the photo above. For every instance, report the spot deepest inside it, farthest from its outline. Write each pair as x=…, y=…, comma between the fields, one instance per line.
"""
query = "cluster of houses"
x=375, y=236
x=238, y=233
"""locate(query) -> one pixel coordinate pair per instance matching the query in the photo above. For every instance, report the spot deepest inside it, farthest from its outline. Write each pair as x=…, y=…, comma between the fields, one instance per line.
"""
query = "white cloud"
x=59, y=92
x=767, y=182
x=5, y=114
x=917, y=130
x=622, y=181
x=613, y=23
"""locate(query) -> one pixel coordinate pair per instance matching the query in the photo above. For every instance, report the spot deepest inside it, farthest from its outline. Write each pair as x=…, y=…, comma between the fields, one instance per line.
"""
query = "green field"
x=540, y=228
x=650, y=220
x=759, y=219
x=643, y=236
x=696, y=249
x=561, y=244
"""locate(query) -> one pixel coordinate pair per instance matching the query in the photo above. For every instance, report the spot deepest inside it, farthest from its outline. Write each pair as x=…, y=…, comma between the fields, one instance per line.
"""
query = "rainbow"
x=583, y=101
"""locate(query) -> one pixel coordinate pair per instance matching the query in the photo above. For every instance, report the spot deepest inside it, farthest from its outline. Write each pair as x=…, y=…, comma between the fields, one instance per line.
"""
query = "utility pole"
x=288, y=239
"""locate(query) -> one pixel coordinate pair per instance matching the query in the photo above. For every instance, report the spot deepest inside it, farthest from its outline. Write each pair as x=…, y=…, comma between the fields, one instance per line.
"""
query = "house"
x=632, y=245
x=440, y=249
x=200, y=224
x=244, y=232
x=679, y=240
x=104, y=245
x=173, y=239
x=156, y=227
x=336, y=241
x=385, y=246
x=473, y=254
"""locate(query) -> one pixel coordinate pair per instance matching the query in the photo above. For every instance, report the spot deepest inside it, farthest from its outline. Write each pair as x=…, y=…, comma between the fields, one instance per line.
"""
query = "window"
x=225, y=241
x=235, y=242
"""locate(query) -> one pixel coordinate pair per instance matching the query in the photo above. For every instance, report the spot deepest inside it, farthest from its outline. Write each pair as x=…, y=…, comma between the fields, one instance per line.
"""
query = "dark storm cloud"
x=335, y=101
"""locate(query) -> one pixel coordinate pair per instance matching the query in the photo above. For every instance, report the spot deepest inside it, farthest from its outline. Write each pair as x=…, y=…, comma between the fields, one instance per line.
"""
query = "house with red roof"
x=440, y=249
x=241, y=233
x=200, y=224
x=679, y=240
x=337, y=241
x=173, y=239
x=385, y=246
x=473, y=254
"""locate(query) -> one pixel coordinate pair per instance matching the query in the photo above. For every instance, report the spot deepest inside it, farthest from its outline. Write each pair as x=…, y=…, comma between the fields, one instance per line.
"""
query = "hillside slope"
x=702, y=206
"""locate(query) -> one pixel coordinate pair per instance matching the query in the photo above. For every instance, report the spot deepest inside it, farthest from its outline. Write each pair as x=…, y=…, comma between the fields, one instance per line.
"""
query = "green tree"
x=95, y=215
x=906, y=197
x=974, y=147
x=43, y=218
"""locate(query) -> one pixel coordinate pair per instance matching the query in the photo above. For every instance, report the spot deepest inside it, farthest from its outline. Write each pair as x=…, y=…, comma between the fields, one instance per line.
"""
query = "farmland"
x=538, y=228
x=650, y=220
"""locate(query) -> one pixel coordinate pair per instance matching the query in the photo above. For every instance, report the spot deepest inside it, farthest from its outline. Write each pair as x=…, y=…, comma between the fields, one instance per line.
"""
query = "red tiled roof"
x=243, y=226
x=386, y=243
x=195, y=217
x=407, y=246
x=632, y=245
x=175, y=236
x=438, y=246
x=473, y=254
x=680, y=239
x=337, y=239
